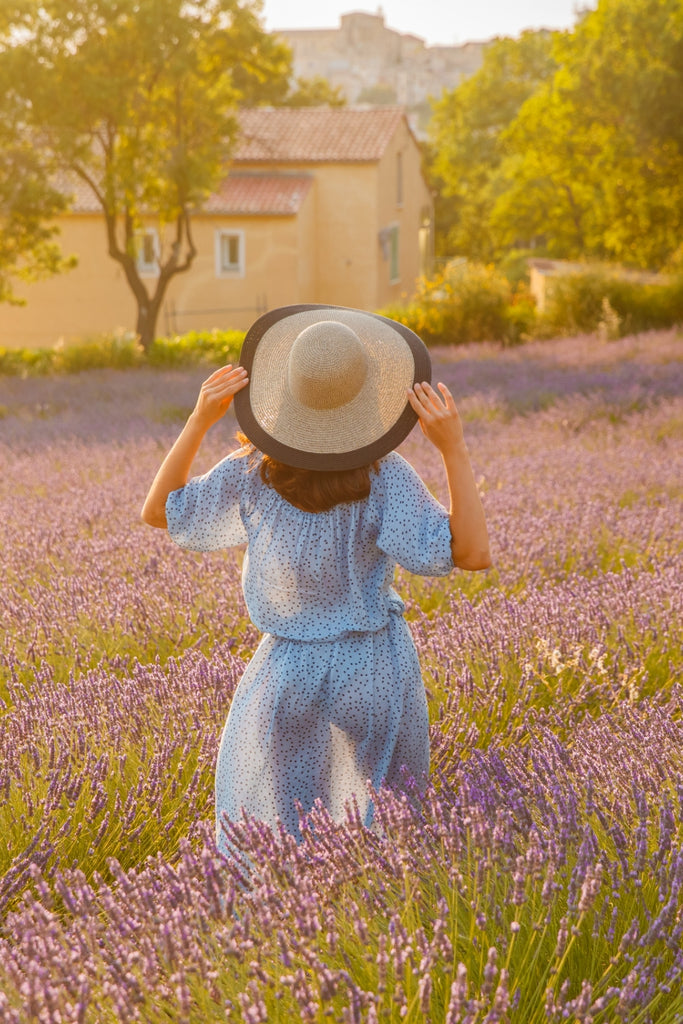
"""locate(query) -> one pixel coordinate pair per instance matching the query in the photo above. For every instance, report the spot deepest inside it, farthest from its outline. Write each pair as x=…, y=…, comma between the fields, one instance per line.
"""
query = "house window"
x=394, y=275
x=399, y=179
x=147, y=247
x=229, y=254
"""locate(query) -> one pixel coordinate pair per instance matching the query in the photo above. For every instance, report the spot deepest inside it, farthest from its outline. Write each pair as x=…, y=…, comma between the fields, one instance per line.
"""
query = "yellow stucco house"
x=321, y=205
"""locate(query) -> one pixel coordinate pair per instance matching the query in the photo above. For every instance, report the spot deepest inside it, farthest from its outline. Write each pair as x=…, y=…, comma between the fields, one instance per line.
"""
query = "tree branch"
x=83, y=174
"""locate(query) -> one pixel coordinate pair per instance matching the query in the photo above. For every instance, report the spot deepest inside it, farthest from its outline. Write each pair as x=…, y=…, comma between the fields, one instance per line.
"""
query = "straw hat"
x=327, y=385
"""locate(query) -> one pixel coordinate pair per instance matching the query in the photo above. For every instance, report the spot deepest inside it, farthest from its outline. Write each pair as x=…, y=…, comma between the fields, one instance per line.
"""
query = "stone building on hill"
x=366, y=59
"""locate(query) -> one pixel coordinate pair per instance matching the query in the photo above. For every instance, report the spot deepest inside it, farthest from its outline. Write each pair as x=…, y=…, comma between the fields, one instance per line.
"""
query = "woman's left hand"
x=217, y=393
x=438, y=415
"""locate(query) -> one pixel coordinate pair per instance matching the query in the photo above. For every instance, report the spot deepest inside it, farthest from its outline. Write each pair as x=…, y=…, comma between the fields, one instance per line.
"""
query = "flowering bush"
x=539, y=879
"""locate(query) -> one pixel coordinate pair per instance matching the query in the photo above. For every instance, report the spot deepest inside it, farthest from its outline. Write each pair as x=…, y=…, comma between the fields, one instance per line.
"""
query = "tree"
x=466, y=140
x=313, y=92
x=27, y=205
x=545, y=198
x=136, y=99
x=594, y=159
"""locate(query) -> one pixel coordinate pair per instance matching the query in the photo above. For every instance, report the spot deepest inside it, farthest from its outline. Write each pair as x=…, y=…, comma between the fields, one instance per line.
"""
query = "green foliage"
x=469, y=302
x=314, y=92
x=122, y=350
x=595, y=158
x=545, y=197
x=136, y=100
x=28, y=203
x=466, y=139
x=119, y=351
x=196, y=347
x=583, y=156
x=473, y=302
x=26, y=362
x=615, y=306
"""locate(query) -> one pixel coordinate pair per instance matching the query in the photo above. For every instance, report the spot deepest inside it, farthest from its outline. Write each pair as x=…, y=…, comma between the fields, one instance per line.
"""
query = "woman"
x=333, y=696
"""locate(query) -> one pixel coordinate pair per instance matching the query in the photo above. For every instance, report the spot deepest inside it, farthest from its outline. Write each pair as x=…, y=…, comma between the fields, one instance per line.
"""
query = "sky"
x=436, y=21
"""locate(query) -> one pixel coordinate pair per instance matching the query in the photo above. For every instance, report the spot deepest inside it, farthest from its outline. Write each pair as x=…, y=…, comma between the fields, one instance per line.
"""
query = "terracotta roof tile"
x=239, y=194
x=70, y=185
x=283, y=135
x=249, y=194
x=315, y=134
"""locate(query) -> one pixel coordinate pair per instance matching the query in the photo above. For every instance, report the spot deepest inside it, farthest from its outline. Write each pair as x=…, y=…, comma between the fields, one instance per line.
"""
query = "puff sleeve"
x=205, y=514
x=415, y=529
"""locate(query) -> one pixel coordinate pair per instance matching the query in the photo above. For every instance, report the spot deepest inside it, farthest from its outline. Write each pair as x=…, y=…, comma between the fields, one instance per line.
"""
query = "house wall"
x=307, y=262
x=277, y=272
x=346, y=235
x=408, y=211
x=352, y=203
x=344, y=231
x=92, y=298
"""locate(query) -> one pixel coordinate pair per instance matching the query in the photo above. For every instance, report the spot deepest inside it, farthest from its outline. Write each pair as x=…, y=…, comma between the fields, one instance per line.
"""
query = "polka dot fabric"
x=333, y=696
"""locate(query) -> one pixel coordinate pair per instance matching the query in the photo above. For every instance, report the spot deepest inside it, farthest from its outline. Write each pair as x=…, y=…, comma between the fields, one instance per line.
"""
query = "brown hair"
x=311, y=490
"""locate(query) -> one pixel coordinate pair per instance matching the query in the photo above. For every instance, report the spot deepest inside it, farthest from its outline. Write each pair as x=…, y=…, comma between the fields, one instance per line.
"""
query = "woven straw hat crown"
x=327, y=365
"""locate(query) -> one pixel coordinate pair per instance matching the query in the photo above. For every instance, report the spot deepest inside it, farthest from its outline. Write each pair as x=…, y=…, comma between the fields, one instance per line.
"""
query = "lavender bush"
x=537, y=880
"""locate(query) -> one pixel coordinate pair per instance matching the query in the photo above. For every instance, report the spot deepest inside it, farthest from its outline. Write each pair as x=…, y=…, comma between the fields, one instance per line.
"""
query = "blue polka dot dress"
x=333, y=696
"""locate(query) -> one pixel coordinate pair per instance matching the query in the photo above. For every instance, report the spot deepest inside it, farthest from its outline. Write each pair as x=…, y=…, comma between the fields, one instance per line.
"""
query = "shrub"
x=196, y=347
x=521, y=314
x=121, y=350
x=599, y=301
x=468, y=302
x=25, y=362
x=118, y=350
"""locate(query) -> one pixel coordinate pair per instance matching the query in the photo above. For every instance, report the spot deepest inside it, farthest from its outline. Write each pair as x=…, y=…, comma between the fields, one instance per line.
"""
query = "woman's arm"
x=214, y=400
x=441, y=425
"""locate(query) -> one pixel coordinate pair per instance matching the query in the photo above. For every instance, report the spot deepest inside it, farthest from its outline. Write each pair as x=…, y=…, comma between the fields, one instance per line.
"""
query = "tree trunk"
x=149, y=306
x=148, y=314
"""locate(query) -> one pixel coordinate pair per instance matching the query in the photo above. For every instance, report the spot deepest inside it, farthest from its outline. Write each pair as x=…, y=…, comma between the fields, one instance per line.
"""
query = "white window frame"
x=147, y=268
x=235, y=270
x=395, y=232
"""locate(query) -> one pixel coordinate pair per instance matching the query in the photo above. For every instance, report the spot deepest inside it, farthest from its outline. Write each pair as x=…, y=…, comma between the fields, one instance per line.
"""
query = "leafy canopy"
x=590, y=161
x=466, y=139
x=28, y=202
x=135, y=100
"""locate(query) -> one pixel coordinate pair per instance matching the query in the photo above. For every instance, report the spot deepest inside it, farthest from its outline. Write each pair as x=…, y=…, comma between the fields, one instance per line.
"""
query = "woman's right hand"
x=217, y=392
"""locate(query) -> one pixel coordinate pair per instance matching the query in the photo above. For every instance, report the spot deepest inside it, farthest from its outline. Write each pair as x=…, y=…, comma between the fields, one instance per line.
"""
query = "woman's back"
x=316, y=576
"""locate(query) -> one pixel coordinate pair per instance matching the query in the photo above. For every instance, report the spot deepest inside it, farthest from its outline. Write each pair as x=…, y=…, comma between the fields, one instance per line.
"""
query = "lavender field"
x=540, y=879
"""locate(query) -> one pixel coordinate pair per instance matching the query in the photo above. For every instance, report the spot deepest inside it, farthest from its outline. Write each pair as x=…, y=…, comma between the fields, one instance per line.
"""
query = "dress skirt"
x=319, y=719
